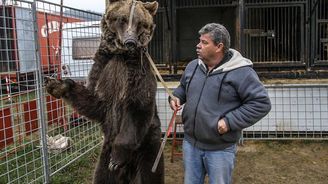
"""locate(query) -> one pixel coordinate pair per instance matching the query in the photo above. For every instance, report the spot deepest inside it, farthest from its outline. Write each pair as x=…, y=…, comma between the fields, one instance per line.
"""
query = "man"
x=222, y=95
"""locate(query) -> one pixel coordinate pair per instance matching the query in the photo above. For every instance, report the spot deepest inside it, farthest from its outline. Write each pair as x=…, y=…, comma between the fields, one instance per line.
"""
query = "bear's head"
x=127, y=25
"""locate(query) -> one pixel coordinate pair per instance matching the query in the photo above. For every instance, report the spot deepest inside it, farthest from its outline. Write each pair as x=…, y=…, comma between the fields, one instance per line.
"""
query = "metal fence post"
x=7, y=54
x=40, y=97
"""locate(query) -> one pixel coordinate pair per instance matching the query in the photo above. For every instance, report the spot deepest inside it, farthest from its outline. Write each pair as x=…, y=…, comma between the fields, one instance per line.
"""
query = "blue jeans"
x=217, y=164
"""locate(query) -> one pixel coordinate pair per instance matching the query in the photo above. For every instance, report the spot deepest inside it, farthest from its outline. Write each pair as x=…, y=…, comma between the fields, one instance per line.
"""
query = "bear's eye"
x=123, y=20
x=113, y=19
x=143, y=25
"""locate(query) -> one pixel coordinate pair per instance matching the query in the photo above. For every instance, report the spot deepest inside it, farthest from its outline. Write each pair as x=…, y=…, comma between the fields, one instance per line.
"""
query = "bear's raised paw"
x=58, y=88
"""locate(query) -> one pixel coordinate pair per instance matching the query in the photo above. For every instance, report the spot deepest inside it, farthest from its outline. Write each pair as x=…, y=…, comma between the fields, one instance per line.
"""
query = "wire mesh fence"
x=299, y=111
x=40, y=135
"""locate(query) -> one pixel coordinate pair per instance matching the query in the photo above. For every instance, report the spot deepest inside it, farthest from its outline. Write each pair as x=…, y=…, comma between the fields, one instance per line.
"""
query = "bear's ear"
x=151, y=7
x=112, y=1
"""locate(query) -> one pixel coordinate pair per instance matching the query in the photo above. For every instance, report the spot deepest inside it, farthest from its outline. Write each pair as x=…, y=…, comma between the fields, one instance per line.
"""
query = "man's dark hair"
x=218, y=33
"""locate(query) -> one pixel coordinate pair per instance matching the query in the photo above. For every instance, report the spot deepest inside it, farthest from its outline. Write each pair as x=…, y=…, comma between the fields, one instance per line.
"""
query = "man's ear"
x=151, y=7
x=220, y=47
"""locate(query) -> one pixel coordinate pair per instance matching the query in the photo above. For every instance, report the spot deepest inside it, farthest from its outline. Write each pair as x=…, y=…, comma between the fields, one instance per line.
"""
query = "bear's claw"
x=112, y=166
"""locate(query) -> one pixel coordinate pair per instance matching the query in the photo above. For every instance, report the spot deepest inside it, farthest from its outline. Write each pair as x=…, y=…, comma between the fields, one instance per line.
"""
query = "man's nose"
x=198, y=46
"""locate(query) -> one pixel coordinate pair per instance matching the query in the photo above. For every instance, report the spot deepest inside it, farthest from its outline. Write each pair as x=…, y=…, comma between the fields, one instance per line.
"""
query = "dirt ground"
x=264, y=162
x=257, y=162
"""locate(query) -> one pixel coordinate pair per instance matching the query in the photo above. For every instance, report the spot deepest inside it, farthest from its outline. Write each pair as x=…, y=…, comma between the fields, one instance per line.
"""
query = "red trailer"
x=17, y=48
x=50, y=39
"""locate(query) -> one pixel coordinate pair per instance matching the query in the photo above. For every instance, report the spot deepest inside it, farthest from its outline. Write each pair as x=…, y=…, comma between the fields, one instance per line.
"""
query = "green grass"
x=79, y=172
x=22, y=166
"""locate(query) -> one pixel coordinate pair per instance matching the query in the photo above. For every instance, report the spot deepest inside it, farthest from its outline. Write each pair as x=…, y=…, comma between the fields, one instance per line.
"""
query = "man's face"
x=206, y=49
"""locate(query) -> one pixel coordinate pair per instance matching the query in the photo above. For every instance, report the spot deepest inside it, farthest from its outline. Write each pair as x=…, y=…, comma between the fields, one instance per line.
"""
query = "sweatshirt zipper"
x=201, y=92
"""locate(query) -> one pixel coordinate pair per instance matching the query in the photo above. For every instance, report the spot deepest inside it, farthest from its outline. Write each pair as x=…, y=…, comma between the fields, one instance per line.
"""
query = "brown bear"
x=120, y=95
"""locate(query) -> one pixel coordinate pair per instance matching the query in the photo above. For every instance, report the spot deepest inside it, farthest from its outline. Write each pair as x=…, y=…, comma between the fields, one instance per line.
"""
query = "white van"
x=80, y=41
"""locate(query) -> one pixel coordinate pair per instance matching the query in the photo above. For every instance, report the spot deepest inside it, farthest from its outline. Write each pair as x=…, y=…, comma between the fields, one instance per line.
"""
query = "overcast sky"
x=93, y=5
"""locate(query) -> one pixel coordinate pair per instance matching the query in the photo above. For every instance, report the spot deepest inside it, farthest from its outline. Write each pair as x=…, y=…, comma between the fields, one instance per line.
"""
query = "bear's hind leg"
x=101, y=175
x=144, y=174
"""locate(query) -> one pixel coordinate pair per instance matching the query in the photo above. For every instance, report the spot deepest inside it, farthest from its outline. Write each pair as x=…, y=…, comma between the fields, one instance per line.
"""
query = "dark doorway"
x=191, y=20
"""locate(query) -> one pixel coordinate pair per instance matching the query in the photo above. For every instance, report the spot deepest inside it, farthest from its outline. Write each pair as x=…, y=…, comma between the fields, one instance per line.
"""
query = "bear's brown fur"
x=120, y=95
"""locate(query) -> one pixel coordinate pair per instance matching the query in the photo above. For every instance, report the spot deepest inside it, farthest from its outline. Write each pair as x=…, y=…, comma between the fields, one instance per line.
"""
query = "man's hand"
x=175, y=104
x=222, y=126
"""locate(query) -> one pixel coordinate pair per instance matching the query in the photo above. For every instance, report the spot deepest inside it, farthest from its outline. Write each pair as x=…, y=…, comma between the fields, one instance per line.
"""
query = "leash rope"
x=167, y=134
x=171, y=124
x=158, y=74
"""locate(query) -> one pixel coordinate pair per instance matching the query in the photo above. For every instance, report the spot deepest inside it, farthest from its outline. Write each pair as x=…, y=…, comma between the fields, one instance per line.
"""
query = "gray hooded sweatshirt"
x=231, y=91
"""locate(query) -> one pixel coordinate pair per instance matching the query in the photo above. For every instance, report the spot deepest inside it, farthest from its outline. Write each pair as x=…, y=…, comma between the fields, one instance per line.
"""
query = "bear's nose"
x=130, y=44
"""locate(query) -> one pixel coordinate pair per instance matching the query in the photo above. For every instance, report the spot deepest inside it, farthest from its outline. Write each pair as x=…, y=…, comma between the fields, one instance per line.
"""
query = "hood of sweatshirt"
x=236, y=61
